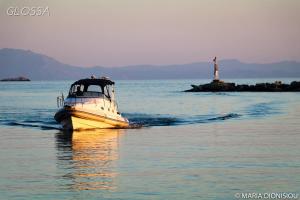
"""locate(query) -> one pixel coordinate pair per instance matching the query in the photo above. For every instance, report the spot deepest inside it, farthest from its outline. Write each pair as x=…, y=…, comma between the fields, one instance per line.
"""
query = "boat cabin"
x=92, y=88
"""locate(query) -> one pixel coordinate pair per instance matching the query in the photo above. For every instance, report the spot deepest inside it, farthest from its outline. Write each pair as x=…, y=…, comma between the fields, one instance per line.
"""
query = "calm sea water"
x=191, y=146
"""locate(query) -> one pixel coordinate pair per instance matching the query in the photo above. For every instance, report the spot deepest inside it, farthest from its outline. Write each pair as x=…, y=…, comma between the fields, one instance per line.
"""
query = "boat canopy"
x=101, y=82
x=92, y=88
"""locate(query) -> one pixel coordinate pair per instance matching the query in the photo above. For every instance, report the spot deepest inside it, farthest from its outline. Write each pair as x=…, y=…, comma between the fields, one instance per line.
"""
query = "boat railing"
x=60, y=100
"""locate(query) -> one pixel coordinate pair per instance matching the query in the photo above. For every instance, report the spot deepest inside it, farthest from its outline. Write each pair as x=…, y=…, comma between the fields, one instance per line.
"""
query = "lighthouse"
x=216, y=71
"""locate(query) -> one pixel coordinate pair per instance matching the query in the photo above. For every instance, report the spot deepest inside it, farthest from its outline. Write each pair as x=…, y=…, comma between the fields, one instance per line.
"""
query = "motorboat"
x=90, y=104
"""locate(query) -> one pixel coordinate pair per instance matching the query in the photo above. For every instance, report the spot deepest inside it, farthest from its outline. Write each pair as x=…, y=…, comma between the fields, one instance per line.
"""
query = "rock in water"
x=220, y=86
x=20, y=78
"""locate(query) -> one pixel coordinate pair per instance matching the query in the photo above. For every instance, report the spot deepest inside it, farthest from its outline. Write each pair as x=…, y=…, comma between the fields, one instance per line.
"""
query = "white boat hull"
x=76, y=123
x=78, y=120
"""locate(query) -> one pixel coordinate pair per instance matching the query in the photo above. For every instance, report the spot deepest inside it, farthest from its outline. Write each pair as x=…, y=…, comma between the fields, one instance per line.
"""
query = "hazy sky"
x=130, y=32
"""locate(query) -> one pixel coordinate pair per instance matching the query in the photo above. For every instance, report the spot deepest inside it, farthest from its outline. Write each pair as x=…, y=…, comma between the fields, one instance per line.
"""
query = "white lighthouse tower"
x=216, y=71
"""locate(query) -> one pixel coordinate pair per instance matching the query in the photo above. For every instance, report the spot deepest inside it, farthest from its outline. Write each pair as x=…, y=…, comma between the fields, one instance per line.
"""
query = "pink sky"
x=131, y=32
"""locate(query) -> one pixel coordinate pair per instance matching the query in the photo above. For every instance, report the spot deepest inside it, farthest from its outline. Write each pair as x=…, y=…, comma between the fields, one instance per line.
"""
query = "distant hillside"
x=17, y=62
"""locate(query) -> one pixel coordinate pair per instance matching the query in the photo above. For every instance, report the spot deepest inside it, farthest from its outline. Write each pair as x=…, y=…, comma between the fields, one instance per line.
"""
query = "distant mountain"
x=17, y=62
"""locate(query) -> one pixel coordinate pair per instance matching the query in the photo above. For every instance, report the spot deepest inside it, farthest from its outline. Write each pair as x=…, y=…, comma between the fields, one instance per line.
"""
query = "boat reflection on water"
x=88, y=158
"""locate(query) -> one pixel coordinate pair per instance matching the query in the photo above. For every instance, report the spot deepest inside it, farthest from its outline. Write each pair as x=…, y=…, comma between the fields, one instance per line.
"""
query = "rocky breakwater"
x=220, y=86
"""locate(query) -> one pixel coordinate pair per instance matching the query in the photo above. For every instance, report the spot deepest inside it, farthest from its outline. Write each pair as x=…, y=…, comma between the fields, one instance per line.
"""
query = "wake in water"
x=263, y=109
x=137, y=120
x=147, y=120
x=40, y=125
x=34, y=118
x=43, y=119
